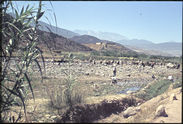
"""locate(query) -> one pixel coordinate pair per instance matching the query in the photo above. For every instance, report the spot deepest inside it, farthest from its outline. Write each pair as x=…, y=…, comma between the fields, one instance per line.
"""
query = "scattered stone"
x=170, y=65
x=153, y=77
x=53, y=117
x=180, y=90
x=161, y=98
x=162, y=121
x=160, y=111
x=87, y=73
x=114, y=80
x=170, y=78
x=138, y=108
x=95, y=86
x=138, y=104
x=47, y=115
x=170, y=87
x=173, y=97
x=130, y=111
x=129, y=92
x=41, y=121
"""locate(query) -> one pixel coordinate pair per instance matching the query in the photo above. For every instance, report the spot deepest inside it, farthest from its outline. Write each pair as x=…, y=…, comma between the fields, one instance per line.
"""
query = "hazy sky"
x=153, y=21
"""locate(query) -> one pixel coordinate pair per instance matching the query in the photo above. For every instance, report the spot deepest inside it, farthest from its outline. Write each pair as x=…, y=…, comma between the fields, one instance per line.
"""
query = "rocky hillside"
x=98, y=44
x=109, y=47
x=85, y=39
x=56, y=42
x=60, y=31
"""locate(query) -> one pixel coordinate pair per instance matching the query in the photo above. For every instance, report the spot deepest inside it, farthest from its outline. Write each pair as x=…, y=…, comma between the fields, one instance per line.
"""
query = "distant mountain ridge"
x=102, y=35
x=166, y=48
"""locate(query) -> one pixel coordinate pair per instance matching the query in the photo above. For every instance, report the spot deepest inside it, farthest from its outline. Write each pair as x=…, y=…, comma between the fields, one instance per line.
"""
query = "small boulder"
x=138, y=104
x=114, y=80
x=170, y=78
x=180, y=91
x=130, y=111
x=160, y=111
x=170, y=65
x=153, y=77
x=170, y=87
x=129, y=92
x=173, y=97
x=138, y=108
x=162, y=121
x=87, y=73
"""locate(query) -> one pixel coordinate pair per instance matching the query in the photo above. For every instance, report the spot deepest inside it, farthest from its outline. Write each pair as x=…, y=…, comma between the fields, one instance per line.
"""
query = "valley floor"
x=94, y=81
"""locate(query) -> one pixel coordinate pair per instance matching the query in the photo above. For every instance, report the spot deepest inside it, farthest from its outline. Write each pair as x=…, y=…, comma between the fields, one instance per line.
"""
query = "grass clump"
x=154, y=90
x=177, y=83
x=66, y=94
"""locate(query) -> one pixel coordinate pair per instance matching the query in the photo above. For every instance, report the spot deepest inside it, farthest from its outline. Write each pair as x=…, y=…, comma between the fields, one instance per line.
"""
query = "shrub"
x=66, y=95
x=177, y=83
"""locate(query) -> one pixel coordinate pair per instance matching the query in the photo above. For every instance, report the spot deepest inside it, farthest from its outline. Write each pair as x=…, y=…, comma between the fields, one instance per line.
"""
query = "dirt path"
x=174, y=111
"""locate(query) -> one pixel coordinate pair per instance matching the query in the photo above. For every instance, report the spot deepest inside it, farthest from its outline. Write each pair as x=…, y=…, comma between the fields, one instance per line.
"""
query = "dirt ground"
x=146, y=115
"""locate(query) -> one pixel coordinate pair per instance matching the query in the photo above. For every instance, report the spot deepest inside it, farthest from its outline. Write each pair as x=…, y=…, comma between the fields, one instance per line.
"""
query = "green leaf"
x=11, y=91
x=16, y=12
x=22, y=11
x=27, y=8
x=22, y=99
x=39, y=69
x=40, y=15
x=29, y=82
x=41, y=57
x=14, y=27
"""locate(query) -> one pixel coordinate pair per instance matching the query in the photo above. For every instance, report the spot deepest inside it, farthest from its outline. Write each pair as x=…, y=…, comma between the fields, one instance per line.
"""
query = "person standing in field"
x=114, y=80
x=114, y=71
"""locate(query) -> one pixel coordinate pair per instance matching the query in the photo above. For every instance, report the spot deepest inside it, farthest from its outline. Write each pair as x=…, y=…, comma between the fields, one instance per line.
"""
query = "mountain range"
x=145, y=46
x=166, y=48
x=102, y=35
